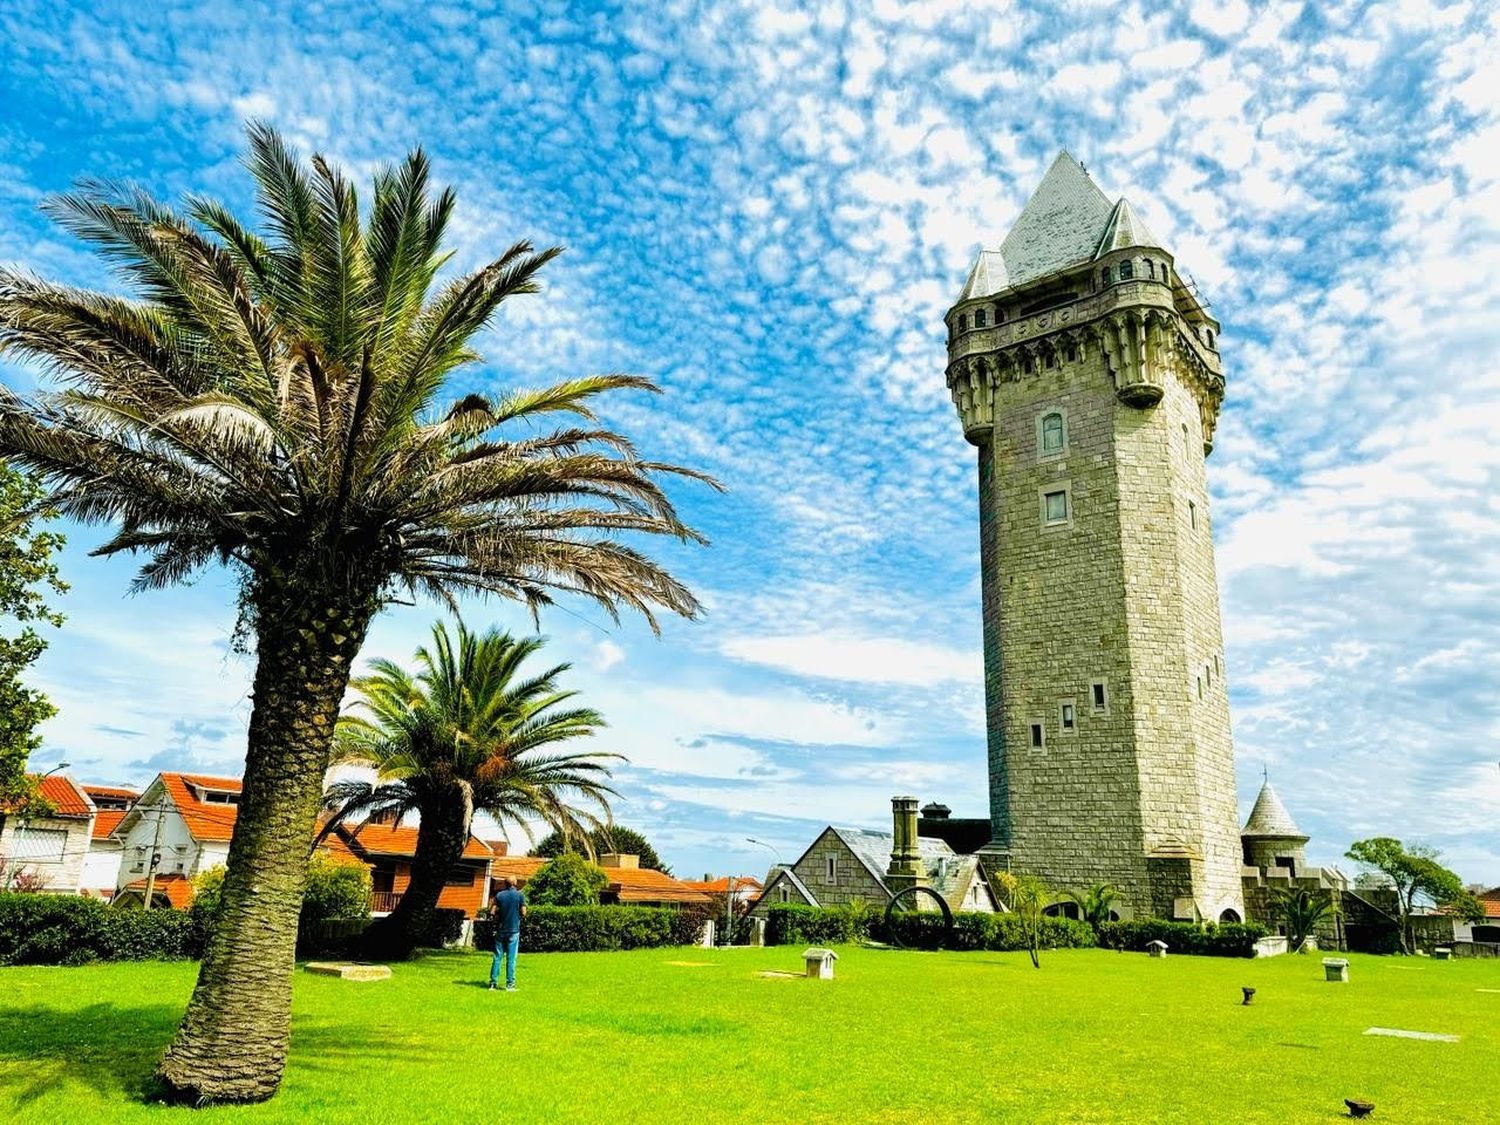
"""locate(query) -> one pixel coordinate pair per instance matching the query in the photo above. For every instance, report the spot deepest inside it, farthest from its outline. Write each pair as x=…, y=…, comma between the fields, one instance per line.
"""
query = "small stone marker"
x=1249, y=995
x=346, y=970
x=819, y=963
x=1443, y=953
x=1157, y=948
x=1336, y=969
x=1358, y=1108
x=1397, y=1033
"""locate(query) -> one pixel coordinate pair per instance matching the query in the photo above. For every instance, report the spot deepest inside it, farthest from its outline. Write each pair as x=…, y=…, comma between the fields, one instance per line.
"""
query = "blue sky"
x=768, y=209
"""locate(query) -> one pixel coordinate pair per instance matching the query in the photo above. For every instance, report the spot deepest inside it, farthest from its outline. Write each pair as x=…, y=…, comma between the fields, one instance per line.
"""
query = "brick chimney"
x=619, y=859
x=906, y=868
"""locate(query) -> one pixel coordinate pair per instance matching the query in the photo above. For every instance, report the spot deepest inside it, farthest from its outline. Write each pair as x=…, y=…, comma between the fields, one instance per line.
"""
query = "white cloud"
x=873, y=660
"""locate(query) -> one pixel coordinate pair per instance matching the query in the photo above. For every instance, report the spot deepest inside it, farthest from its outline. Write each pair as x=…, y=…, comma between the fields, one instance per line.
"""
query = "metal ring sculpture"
x=909, y=901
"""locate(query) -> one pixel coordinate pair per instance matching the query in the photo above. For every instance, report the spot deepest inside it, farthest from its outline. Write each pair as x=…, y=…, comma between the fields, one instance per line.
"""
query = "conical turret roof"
x=988, y=276
x=1124, y=230
x=1060, y=226
x=1269, y=818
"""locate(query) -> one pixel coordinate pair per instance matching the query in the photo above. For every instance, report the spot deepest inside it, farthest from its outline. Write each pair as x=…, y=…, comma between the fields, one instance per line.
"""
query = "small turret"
x=1271, y=837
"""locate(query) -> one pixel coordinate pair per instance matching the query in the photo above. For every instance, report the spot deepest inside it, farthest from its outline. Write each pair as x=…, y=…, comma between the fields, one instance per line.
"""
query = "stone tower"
x=1086, y=371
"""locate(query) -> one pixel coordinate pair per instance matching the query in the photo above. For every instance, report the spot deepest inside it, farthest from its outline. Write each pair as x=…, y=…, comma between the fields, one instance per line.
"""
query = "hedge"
x=790, y=923
x=583, y=929
x=1230, y=939
x=794, y=924
x=41, y=929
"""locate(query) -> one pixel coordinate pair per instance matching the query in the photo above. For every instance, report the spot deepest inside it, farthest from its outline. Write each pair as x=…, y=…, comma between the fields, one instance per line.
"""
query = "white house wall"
x=63, y=876
x=101, y=866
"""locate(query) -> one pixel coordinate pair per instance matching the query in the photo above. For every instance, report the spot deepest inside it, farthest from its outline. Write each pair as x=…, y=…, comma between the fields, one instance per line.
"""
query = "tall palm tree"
x=270, y=400
x=468, y=732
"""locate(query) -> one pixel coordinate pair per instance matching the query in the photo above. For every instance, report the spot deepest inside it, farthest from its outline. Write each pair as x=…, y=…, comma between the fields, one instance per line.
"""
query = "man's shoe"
x=510, y=988
x=491, y=987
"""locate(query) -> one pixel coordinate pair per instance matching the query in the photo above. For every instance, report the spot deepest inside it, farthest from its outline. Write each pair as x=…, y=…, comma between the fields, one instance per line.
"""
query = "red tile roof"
x=522, y=867
x=118, y=791
x=106, y=822
x=643, y=884
x=69, y=800
x=1490, y=900
x=742, y=884
x=385, y=840
x=177, y=888
x=204, y=820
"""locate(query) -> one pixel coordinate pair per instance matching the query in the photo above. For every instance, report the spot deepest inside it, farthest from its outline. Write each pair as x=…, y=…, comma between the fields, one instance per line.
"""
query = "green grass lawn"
x=696, y=1035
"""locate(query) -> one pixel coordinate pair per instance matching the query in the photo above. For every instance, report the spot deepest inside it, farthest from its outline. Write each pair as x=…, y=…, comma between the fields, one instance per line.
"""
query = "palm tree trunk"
x=232, y=1043
x=440, y=844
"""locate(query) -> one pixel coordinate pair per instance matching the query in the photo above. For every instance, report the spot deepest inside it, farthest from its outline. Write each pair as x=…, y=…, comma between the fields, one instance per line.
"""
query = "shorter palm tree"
x=468, y=732
x=1302, y=911
x=1096, y=904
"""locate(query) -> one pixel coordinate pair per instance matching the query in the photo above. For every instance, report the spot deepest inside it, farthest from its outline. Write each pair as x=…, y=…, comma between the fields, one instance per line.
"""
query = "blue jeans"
x=509, y=947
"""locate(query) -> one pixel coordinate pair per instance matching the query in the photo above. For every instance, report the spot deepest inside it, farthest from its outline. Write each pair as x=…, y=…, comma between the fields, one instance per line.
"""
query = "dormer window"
x=1127, y=270
x=978, y=318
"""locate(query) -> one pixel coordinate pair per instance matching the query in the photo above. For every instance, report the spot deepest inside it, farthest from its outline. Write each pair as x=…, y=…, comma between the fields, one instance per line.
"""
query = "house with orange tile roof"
x=180, y=825
x=101, y=867
x=629, y=884
x=50, y=840
x=388, y=850
x=746, y=888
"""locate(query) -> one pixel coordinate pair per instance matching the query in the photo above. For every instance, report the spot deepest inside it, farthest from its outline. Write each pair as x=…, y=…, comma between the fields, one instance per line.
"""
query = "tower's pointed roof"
x=1060, y=226
x=988, y=276
x=1124, y=230
x=1270, y=818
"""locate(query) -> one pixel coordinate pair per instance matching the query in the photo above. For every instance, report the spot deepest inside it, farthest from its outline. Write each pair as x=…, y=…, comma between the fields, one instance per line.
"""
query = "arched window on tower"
x=963, y=323
x=1104, y=276
x=1127, y=270
x=978, y=318
x=1054, y=433
x=1150, y=269
x=999, y=314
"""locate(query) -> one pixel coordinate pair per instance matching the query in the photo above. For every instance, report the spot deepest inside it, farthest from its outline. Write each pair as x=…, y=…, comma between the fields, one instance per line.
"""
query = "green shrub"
x=790, y=923
x=582, y=929
x=568, y=880
x=446, y=927
x=335, y=889
x=793, y=924
x=1230, y=939
x=39, y=929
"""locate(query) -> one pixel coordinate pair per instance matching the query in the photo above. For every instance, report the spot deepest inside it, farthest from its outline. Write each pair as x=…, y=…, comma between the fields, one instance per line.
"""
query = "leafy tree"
x=1302, y=911
x=1416, y=877
x=568, y=880
x=602, y=840
x=270, y=400
x=472, y=729
x=1096, y=904
x=335, y=889
x=1026, y=897
x=27, y=570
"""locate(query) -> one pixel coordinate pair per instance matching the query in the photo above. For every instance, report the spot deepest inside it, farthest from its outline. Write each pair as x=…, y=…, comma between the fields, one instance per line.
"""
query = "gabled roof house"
x=51, y=844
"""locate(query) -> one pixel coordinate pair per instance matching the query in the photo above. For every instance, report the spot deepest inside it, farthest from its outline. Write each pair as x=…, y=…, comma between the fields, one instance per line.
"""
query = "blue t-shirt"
x=508, y=905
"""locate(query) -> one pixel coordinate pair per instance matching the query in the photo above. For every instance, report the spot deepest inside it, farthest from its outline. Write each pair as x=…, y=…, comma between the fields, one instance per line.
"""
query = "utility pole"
x=155, y=858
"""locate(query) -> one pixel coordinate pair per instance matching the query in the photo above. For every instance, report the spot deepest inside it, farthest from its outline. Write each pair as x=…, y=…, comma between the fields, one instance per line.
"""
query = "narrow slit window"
x=1101, y=699
x=1104, y=276
x=786, y=895
x=1038, y=739
x=1193, y=515
x=1069, y=717
x=833, y=868
x=963, y=324
x=1200, y=687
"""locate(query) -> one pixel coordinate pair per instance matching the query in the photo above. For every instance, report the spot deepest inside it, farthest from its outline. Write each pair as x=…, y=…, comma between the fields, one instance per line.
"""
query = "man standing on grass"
x=507, y=910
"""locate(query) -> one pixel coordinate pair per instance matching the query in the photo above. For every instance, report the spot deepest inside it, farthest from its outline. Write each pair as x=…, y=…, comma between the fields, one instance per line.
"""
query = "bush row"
x=793, y=924
x=41, y=929
x=582, y=929
x=1230, y=939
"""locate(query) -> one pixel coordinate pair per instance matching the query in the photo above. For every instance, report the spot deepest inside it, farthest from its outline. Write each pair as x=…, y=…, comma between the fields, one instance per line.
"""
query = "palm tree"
x=1096, y=904
x=467, y=732
x=270, y=401
x=1302, y=911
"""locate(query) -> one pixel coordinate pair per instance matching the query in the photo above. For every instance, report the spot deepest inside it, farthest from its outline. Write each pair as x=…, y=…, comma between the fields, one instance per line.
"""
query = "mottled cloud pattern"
x=768, y=208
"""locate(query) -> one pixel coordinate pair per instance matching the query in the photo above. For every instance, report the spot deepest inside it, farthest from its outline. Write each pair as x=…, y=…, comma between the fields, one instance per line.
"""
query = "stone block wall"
x=852, y=880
